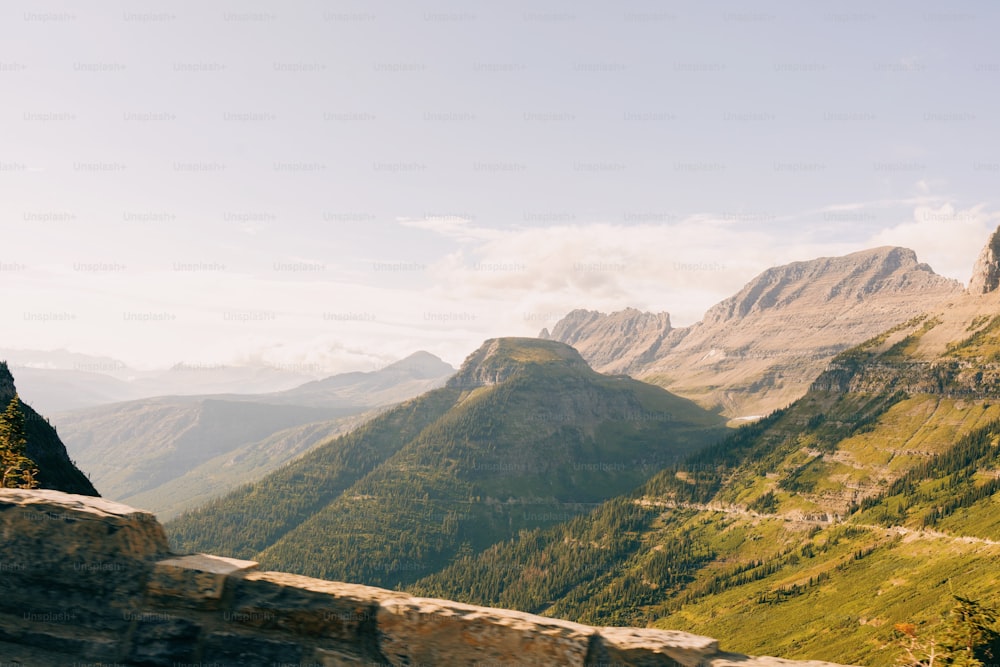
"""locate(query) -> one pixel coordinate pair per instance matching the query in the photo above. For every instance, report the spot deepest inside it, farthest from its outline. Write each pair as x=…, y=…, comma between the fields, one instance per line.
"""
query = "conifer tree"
x=969, y=637
x=970, y=632
x=16, y=469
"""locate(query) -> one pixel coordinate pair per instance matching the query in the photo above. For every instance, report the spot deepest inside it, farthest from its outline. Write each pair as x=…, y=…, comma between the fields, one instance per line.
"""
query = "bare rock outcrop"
x=616, y=342
x=498, y=359
x=986, y=271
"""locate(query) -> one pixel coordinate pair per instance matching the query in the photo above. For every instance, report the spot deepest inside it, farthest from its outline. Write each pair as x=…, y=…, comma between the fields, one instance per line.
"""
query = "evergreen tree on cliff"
x=16, y=469
x=31, y=453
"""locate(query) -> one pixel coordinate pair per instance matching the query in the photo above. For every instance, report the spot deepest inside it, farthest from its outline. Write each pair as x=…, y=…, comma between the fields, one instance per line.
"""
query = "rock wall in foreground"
x=88, y=582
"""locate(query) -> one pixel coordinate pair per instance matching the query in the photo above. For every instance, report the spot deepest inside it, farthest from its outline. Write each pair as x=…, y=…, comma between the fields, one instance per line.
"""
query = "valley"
x=172, y=453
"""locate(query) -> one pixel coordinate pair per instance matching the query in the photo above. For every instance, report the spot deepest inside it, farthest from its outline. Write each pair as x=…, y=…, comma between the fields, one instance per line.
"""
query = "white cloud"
x=318, y=355
x=682, y=268
x=454, y=227
x=947, y=239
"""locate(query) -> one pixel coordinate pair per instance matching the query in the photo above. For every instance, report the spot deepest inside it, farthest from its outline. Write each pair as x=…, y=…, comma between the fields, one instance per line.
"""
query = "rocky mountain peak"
x=614, y=342
x=761, y=348
x=986, y=272
x=848, y=279
x=499, y=359
x=628, y=321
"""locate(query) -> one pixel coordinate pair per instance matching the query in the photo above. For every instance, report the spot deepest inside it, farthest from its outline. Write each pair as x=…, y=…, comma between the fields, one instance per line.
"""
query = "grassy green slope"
x=135, y=447
x=681, y=552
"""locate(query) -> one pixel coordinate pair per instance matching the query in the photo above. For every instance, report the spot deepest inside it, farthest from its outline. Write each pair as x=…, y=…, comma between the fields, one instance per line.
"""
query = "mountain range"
x=759, y=350
x=59, y=381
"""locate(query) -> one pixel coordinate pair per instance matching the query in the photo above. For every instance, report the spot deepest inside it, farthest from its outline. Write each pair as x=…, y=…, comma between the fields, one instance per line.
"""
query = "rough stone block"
x=308, y=607
x=75, y=541
x=18, y=654
x=131, y=533
x=648, y=647
x=424, y=631
x=197, y=580
x=57, y=632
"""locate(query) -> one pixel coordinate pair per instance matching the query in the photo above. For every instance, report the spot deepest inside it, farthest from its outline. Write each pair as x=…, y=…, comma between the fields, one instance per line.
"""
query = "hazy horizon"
x=340, y=186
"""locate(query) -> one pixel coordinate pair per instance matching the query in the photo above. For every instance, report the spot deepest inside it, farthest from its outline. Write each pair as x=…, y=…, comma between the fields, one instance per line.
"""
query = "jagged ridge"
x=761, y=348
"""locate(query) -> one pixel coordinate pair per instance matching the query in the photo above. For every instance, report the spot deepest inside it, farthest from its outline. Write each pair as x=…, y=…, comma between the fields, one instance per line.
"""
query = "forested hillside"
x=525, y=435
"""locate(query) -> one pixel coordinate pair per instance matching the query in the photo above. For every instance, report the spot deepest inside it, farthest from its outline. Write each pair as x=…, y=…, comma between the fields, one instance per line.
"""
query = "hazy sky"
x=341, y=184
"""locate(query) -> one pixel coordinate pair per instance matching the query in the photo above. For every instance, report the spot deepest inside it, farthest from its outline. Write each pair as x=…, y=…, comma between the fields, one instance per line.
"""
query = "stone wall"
x=88, y=582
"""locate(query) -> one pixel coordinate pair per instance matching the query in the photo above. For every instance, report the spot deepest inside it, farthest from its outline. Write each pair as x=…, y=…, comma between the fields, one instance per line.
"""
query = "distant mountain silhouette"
x=170, y=453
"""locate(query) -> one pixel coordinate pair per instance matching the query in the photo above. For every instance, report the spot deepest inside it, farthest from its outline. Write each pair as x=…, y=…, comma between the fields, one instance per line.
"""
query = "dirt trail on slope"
x=816, y=520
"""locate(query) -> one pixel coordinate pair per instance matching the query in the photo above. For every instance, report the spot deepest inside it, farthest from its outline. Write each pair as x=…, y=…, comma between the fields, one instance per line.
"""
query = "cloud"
x=317, y=356
x=947, y=238
x=683, y=267
x=455, y=227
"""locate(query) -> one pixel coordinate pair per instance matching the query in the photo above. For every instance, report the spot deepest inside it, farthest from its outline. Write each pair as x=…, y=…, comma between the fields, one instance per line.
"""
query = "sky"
x=335, y=185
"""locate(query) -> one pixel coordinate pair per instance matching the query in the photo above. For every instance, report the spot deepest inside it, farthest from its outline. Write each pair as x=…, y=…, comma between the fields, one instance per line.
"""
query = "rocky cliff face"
x=88, y=580
x=498, y=359
x=953, y=350
x=841, y=283
x=616, y=342
x=761, y=348
x=986, y=272
x=55, y=469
